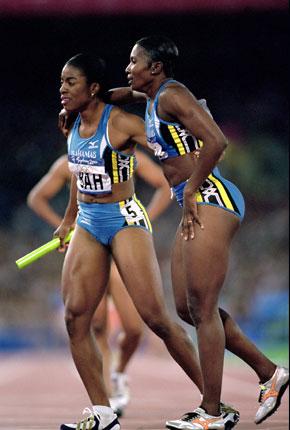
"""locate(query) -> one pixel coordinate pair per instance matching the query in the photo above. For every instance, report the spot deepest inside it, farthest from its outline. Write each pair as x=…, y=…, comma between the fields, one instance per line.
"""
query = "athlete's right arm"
x=50, y=184
x=123, y=95
x=70, y=215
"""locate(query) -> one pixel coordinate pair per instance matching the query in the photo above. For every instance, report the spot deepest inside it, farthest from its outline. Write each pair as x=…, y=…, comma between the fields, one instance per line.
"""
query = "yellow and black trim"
x=178, y=138
x=120, y=167
x=135, y=213
x=214, y=191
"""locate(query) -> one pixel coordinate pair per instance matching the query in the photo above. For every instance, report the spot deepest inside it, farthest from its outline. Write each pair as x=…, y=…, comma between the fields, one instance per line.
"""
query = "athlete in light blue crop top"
x=178, y=125
x=111, y=223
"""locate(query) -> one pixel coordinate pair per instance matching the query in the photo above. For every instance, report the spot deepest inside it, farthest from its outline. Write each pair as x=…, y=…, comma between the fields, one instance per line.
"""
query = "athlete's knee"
x=77, y=322
x=130, y=337
x=183, y=313
x=70, y=323
x=200, y=309
x=99, y=328
x=224, y=315
x=159, y=325
x=133, y=333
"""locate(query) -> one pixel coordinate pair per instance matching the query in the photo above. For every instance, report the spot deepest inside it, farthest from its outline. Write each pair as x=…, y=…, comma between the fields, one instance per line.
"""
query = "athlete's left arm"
x=179, y=104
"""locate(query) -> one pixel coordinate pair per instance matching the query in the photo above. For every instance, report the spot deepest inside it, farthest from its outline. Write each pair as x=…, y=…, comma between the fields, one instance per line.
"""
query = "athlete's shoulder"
x=173, y=89
x=123, y=120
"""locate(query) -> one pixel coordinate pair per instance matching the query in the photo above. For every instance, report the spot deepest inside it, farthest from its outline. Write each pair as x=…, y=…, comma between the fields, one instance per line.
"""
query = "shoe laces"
x=189, y=416
x=263, y=389
x=197, y=413
x=90, y=418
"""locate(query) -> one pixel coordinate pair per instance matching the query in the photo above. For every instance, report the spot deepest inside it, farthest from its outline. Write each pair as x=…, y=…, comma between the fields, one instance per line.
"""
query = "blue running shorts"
x=104, y=220
x=216, y=191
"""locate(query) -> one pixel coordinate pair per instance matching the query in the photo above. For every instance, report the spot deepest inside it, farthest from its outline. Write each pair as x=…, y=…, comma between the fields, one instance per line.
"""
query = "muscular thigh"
x=85, y=272
x=135, y=257
x=205, y=258
x=178, y=277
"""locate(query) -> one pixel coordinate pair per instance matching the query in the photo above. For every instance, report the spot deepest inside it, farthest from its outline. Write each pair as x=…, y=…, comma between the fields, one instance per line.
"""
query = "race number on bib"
x=94, y=183
x=132, y=212
x=91, y=179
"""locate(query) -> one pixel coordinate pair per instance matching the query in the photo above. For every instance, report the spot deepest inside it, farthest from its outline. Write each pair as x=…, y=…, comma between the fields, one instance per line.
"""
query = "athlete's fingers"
x=61, y=232
x=199, y=222
x=190, y=224
x=186, y=228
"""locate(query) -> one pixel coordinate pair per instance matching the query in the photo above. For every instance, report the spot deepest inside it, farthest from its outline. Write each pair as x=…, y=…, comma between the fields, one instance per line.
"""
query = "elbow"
x=220, y=144
x=30, y=201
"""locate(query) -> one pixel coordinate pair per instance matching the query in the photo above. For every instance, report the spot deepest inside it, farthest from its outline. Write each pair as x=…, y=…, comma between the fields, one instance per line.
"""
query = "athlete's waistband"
x=102, y=203
x=105, y=198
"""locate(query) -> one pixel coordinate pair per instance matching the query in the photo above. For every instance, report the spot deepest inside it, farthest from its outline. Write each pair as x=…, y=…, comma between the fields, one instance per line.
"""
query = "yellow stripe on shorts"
x=145, y=213
x=198, y=197
x=222, y=191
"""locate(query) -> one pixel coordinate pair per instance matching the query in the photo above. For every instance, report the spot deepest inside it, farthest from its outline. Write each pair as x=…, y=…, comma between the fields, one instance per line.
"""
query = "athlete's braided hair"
x=160, y=48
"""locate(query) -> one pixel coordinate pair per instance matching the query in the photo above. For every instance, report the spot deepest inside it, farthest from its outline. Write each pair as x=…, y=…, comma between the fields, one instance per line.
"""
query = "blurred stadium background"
x=235, y=54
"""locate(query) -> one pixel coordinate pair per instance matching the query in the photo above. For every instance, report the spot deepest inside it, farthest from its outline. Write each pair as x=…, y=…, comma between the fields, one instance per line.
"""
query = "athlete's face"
x=75, y=93
x=138, y=70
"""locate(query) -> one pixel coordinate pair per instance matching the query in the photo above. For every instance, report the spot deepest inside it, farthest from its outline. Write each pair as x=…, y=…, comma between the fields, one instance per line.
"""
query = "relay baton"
x=41, y=251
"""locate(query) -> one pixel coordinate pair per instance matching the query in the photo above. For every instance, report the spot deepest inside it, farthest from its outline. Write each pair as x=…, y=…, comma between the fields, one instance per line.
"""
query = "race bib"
x=91, y=179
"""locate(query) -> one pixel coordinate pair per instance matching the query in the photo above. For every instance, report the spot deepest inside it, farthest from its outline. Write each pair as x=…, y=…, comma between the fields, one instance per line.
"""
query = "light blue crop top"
x=96, y=164
x=168, y=139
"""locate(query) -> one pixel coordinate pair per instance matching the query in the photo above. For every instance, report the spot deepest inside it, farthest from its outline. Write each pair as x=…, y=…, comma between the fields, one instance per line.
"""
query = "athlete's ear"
x=156, y=67
x=95, y=88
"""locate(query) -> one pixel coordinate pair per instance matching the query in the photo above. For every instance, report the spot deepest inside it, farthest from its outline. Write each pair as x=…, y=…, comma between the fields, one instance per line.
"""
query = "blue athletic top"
x=96, y=164
x=169, y=139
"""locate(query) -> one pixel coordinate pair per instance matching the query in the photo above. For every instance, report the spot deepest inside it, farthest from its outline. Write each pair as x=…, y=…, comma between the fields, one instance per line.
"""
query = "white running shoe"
x=271, y=394
x=200, y=420
x=120, y=392
x=93, y=422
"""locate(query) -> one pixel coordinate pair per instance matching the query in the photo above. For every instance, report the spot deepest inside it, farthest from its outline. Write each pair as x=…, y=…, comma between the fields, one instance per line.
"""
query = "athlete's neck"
x=90, y=118
x=156, y=86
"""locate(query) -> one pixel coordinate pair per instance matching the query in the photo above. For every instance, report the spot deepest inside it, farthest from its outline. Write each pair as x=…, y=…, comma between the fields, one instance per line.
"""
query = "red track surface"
x=41, y=390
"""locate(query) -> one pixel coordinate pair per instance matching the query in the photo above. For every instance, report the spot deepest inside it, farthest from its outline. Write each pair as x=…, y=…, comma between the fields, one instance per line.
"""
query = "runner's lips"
x=64, y=100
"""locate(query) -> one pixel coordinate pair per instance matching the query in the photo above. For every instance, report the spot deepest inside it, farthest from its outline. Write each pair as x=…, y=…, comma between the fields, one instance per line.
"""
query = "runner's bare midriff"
x=178, y=169
x=121, y=191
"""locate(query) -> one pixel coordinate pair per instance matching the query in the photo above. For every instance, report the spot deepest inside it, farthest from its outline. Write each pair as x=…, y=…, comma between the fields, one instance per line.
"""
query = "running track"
x=40, y=390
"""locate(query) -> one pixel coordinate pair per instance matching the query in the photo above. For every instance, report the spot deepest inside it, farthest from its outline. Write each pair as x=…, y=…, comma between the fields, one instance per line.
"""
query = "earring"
x=92, y=94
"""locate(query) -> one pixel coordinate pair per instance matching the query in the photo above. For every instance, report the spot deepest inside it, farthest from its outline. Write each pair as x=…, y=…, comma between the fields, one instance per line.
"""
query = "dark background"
x=237, y=61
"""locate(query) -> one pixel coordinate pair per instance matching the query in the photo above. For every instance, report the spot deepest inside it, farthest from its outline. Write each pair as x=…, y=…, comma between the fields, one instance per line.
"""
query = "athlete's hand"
x=190, y=216
x=65, y=121
x=61, y=232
